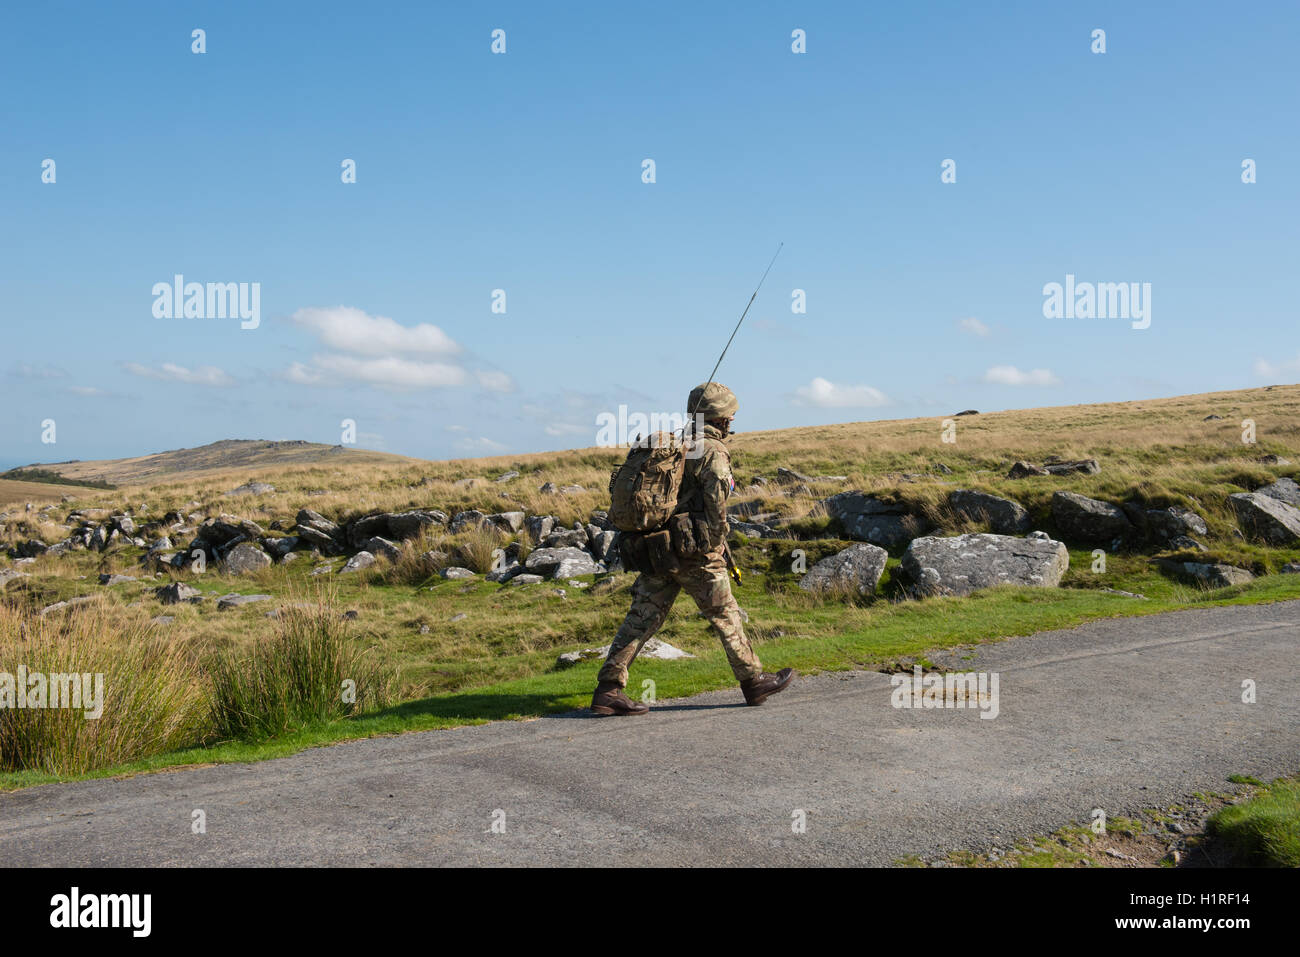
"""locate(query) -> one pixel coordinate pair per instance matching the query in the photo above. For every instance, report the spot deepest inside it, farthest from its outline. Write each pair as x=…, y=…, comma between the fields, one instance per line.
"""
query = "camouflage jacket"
x=707, y=484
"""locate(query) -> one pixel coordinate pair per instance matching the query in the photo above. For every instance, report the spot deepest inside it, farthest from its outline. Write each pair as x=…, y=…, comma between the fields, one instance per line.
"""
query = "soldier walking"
x=700, y=568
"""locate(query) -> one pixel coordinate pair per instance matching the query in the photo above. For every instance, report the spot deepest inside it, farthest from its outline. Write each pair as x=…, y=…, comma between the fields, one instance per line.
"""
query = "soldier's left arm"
x=715, y=488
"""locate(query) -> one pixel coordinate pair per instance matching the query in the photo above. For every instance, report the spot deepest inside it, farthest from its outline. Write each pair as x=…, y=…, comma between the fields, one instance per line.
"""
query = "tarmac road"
x=1119, y=714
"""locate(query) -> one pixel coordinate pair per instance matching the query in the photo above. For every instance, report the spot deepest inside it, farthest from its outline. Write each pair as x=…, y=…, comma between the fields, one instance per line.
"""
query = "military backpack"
x=643, y=490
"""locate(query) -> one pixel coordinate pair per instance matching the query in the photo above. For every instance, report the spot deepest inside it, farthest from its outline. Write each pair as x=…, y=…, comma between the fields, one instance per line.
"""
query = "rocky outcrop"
x=857, y=568
x=967, y=563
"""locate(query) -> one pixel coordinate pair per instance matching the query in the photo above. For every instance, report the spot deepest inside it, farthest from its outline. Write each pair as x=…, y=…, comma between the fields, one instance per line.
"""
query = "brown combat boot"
x=757, y=690
x=609, y=699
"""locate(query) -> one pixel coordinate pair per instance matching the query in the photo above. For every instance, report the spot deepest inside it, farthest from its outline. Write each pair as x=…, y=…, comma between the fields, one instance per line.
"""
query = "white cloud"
x=828, y=395
x=973, y=326
x=384, y=373
x=87, y=390
x=494, y=381
x=457, y=428
x=1277, y=370
x=171, y=372
x=1010, y=375
x=352, y=330
x=26, y=370
x=383, y=353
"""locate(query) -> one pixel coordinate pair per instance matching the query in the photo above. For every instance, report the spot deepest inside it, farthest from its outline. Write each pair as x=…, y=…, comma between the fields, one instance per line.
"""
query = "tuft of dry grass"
x=154, y=698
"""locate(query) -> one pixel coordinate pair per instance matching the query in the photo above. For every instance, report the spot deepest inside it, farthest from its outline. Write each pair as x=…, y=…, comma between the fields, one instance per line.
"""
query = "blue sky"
x=523, y=172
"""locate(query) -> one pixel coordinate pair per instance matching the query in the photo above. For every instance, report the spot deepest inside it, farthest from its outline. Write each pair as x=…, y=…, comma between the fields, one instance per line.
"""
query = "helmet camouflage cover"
x=713, y=400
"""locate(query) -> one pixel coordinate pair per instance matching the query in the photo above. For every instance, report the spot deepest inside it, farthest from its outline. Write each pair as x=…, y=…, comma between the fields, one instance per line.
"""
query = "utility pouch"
x=701, y=529
x=659, y=550
x=631, y=548
x=683, y=535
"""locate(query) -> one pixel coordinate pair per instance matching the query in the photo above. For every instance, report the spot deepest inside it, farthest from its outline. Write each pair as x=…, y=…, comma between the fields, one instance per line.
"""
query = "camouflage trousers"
x=705, y=580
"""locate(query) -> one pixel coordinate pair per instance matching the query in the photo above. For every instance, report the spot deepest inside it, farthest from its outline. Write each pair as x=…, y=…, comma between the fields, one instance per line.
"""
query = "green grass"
x=1263, y=831
x=816, y=637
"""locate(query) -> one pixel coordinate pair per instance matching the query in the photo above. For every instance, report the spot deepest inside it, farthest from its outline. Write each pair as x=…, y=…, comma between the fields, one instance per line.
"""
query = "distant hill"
x=217, y=456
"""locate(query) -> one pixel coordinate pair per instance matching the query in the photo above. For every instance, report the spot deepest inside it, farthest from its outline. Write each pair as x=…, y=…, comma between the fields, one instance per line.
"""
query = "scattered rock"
x=396, y=526
x=1163, y=525
x=1284, y=490
x=1088, y=520
x=461, y=616
x=177, y=592
x=1209, y=575
x=754, y=529
x=1082, y=467
x=251, y=488
x=1005, y=517
x=547, y=561
x=508, y=522
x=966, y=563
x=357, y=562
x=244, y=559
x=227, y=602
x=382, y=547
x=504, y=573
x=967, y=412
x=506, y=476
x=162, y=619
x=527, y=579
x=866, y=518
x=115, y=579
x=456, y=572
x=281, y=546
x=857, y=567
x=654, y=648
x=1271, y=459
x=1211, y=418
x=1264, y=517
x=1024, y=469
x=539, y=527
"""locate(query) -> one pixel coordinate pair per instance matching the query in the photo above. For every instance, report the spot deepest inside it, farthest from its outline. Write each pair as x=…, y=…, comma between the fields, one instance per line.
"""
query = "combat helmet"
x=712, y=400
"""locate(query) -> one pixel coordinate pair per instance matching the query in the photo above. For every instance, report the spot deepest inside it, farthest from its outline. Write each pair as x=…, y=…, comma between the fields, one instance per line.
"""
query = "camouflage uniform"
x=705, y=487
